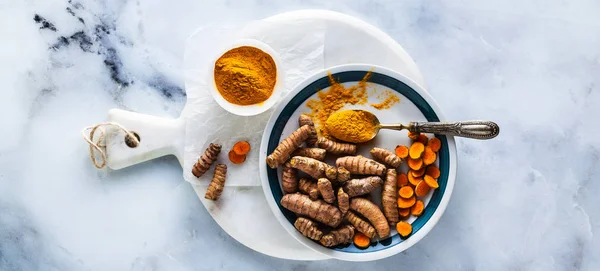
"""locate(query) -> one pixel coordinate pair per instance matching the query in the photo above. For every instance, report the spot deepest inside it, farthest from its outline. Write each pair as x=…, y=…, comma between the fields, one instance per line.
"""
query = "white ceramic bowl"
x=415, y=105
x=255, y=109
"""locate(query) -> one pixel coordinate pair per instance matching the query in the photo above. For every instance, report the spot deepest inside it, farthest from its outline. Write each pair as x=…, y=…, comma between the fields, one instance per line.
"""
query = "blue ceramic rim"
x=394, y=84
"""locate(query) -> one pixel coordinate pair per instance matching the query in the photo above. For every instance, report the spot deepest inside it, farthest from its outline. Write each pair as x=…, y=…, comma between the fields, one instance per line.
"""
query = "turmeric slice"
x=289, y=145
x=215, y=188
x=412, y=179
x=361, y=240
x=416, y=150
x=314, y=168
x=312, y=138
x=342, y=235
x=241, y=148
x=435, y=144
x=406, y=192
x=429, y=156
x=360, y=165
x=404, y=229
x=418, y=173
x=360, y=224
x=415, y=164
x=314, y=153
x=402, y=180
x=289, y=178
x=326, y=190
x=389, y=198
x=372, y=212
x=406, y=203
x=433, y=171
x=386, y=157
x=418, y=208
x=422, y=138
x=336, y=148
x=413, y=135
x=431, y=182
x=236, y=158
x=206, y=160
x=422, y=189
x=401, y=151
x=315, y=209
x=404, y=213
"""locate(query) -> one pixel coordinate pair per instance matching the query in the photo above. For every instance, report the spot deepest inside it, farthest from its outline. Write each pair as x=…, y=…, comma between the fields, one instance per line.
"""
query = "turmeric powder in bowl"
x=245, y=75
x=351, y=126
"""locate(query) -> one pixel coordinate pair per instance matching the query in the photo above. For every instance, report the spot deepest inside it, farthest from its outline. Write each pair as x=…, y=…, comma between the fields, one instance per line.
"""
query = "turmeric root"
x=431, y=182
x=401, y=151
x=357, y=187
x=206, y=160
x=361, y=240
x=429, y=156
x=422, y=189
x=315, y=209
x=309, y=187
x=241, y=148
x=289, y=178
x=342, y=235
x=402, y=180
x=312, y=138
x=406, y=203
x=435, y=144
x=308, y=228
x=416, y=150
x=336, y=148
x=288, y=145
x=415, y=164
x=406, y=192
x=342, y=175
x=314, y=168
x=372, y=212
x=360, y=224
x=236, y=158
x=314, y=153
x=343, y=201
x=418, y=208
x=360, y=165
x=386, y=157
x=215, y=188
x=389, y=198
x=404, y=229
x=433, y=171
x=326, y=190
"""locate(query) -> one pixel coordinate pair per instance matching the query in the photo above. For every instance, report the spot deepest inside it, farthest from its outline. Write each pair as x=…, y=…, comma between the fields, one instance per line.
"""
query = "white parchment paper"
x=300, y=46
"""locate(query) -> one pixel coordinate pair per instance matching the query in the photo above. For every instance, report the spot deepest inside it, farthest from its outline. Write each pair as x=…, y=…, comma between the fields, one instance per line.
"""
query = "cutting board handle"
x=158, y=137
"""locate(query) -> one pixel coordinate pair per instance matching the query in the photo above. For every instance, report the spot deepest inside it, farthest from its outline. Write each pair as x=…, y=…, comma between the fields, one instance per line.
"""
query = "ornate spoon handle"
x=477, y=129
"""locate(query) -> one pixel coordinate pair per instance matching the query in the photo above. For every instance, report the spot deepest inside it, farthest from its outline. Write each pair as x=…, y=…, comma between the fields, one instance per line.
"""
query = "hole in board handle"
x=130, y=142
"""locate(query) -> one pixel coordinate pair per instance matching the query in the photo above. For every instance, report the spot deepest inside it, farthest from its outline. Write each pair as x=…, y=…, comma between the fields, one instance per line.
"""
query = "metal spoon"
x=476, y=129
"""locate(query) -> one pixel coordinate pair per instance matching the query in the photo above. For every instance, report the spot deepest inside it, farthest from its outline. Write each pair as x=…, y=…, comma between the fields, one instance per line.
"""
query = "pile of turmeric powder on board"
x=338, y=96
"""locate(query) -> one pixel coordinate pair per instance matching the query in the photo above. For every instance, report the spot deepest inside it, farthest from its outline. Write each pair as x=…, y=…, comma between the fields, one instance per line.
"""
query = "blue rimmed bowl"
x=415, y=105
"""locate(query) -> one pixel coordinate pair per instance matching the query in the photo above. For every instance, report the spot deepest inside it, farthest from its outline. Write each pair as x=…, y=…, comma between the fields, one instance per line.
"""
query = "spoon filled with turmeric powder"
x=358, y=126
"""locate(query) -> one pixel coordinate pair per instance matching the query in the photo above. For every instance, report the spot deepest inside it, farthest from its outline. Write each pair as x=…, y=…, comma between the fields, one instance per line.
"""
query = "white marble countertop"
x=524, y=201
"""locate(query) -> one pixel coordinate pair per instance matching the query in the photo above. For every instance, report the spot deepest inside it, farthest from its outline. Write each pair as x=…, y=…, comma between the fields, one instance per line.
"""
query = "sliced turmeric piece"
x=431, y=182
x=422, y=189
x=404, y=213
x=422, y=138
x=418, y=173
x=241, y=148
x=402, y=180
x=435, y=144
x=404, y=229
x=236, y=158
x=429, y=156
x=416, y=150
x=412, y=179
x=418, y=208
x=401, y=151
x=406, y=192
x=415, y=164
x=406, y=203
x=413, y=135
x=361, y=240
x=433, y=171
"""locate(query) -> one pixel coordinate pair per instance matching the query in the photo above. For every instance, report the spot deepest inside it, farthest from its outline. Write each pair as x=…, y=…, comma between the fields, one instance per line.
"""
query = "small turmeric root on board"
x=336, y=148
x=406, y=203
x=389, y=198
x=241, y=148
x=206, y=160
x=361, y=240
x=416, y=150
x=412, y=179
x=215, y=188
x=415, y=164
x=406, y=192
x=422, y=189
x=309, y=187
x=429, y=156
x=386, y=157
x=314, y=153
x=343, y=201
x=313, y=167
x=372, y=212
x=404, y=213
x=431, y=182
x=360, y=165
x=418, y=208
x=357, y=187
x=341, y=235
x=236, y=158
x=435, y=144
x=312, y=138
x=342, y=175
x=433, y=171
x=404, y=229
x=288, y=145
x=401, y=151
x=422, y=138
x=315, y=209
x=308, y=228
x=289, y=178
x=326, y=190
x=402, y=180
x=360, y=224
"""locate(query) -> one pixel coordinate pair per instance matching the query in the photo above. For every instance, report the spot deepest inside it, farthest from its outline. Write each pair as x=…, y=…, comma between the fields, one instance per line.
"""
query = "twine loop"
x=98, y=145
